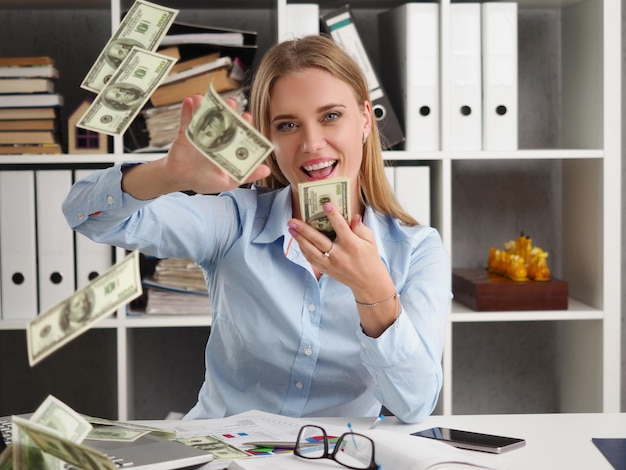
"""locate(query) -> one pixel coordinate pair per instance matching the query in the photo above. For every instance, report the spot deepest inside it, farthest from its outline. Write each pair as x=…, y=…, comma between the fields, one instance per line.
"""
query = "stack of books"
x=29, y=117
x=206, y=55
x=175, y=286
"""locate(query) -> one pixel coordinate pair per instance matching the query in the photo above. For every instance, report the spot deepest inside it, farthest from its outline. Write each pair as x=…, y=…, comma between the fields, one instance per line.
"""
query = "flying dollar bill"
x=120, y=101
x=52, y=442
x=226, y=139
x=144, y=26
x=71, y=317
x=315, y=194
x=6, y=458
x=54, y=414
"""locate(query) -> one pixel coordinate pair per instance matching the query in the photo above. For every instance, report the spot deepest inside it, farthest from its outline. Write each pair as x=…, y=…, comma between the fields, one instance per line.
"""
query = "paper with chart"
x=226, y=139
x=71, y=317
x=144, y=26
x=127, y=92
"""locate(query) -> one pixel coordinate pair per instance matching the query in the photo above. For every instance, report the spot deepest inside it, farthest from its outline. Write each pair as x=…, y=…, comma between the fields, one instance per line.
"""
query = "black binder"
x=339, y=24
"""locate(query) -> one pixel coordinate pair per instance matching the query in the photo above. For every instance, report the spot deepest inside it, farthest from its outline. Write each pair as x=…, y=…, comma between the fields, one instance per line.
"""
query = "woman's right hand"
x=184, y=167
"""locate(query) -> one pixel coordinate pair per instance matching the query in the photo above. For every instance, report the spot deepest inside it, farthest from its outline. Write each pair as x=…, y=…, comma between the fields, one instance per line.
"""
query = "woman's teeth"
x=318, y=166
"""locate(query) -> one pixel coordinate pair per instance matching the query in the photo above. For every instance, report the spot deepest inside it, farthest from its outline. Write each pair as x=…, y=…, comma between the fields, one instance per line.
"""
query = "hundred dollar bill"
x=315, y=194
x=54, y=414
x=166, y=433
x=6, y=458
x=109, y=433
x=73, y=316
x=122, y=98
x=52, y=442
x=144, y=26
x=220, y=449
x=226, y=139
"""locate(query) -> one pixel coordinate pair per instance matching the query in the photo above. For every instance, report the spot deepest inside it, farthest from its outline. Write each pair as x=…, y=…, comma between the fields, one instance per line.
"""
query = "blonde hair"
x=323, y=53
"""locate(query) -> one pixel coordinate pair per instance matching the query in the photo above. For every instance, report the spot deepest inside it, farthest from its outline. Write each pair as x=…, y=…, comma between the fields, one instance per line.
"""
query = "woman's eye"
x=285, y=126
x=331, y=116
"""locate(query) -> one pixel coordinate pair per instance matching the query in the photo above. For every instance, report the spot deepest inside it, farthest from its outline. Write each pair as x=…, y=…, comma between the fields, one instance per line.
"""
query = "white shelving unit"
x=589, y=157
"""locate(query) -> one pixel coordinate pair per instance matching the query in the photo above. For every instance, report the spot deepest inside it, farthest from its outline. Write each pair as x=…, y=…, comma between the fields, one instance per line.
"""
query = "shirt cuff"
x=394, y=346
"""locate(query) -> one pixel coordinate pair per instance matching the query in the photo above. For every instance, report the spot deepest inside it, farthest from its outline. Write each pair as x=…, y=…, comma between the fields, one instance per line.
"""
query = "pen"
x=353, y=439
x=377, y=422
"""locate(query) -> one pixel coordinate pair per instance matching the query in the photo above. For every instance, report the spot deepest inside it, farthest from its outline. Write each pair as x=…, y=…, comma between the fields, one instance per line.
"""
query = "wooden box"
x=483, y=291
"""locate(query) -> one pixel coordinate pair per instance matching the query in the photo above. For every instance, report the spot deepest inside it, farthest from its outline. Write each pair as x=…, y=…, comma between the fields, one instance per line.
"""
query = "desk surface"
x=553, y=441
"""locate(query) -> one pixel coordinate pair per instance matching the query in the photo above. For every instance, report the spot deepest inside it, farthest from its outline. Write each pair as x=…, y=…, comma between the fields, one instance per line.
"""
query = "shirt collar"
x=279, y=214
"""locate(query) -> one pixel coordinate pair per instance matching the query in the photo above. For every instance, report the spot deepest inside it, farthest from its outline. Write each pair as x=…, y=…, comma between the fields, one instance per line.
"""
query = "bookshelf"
x=563, y=186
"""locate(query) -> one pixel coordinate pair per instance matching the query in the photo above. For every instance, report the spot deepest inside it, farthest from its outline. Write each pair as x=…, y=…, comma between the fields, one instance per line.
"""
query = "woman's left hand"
x=351, y=259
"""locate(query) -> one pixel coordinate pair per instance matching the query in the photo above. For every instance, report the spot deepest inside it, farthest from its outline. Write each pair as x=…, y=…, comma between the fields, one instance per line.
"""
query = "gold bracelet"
x=394, y=296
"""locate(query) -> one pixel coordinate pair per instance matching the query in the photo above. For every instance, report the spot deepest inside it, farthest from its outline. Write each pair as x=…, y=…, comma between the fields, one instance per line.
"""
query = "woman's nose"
x=312, y=139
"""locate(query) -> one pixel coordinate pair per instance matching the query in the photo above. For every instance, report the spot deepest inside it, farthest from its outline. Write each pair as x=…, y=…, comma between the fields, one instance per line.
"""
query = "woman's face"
x=317, y=128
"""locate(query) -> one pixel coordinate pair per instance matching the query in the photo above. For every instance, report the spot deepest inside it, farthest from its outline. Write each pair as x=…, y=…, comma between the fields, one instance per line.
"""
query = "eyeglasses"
x=351, y=449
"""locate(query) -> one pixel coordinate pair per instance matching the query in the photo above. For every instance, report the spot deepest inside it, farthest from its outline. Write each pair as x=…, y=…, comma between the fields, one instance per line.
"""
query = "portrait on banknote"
x=118, y=49
x=77, y=310
x=122, y=96
x=215, y=130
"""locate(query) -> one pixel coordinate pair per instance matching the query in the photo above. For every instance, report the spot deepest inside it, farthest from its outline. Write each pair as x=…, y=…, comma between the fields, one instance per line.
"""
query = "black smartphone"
x=472, y=440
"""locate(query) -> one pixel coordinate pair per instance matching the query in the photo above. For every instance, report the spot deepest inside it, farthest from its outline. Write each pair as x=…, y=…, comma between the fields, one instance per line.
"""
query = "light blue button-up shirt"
x=281, y=341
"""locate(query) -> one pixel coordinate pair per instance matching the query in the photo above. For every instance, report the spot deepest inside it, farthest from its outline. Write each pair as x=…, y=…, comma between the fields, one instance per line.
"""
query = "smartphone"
x=472, y=440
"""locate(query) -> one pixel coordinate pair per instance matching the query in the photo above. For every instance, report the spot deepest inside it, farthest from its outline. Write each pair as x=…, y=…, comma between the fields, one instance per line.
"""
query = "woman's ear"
x=367, y=120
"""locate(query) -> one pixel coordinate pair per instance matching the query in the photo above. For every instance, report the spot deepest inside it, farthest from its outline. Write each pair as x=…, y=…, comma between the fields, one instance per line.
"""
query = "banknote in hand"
x=313, y=195
x=226, y=139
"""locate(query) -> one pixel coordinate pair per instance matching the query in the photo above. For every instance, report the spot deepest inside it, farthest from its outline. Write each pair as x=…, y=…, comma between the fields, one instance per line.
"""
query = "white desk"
x=553, y=441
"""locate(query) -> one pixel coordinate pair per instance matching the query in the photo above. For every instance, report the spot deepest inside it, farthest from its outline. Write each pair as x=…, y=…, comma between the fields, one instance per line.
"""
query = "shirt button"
x=299, y=385
x=80, y=216
x=308, y=351
x=312, y=308
x=110, y=200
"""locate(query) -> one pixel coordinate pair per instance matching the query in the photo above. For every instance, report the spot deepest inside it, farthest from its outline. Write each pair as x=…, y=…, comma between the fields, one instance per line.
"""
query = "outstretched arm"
x=184, y=168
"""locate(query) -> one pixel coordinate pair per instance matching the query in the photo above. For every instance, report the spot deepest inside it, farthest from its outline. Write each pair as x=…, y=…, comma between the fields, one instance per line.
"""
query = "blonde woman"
x=303, y=325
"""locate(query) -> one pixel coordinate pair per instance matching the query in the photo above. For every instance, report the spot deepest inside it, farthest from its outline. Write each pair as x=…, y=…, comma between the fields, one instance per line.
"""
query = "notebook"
x=147, y=452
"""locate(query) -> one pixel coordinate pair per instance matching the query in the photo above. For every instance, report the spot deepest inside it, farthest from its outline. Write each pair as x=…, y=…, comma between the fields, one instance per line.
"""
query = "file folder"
x=339, y=24
x=465, y=99
x=412, y=188
x=55, y=239
x=500, y=81
x=409, y=49
x=302, y=20
x=18, y=249
x=92, y=258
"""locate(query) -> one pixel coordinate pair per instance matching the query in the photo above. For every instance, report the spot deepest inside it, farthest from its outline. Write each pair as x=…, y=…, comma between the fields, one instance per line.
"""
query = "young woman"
x=302, y=325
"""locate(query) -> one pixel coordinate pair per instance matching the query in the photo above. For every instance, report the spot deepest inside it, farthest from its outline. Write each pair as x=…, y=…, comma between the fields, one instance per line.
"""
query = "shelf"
x=388, y=155
x=163, y=321
x=22, y=323
x=576, y=311
x=58, y=4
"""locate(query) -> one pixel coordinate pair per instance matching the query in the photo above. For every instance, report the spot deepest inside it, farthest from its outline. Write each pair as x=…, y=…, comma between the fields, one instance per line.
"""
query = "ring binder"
x=339, y=24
